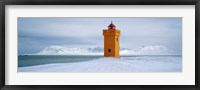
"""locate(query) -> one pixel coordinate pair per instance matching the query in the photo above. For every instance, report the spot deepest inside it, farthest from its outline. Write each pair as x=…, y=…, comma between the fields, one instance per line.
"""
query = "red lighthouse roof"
x=111, y=26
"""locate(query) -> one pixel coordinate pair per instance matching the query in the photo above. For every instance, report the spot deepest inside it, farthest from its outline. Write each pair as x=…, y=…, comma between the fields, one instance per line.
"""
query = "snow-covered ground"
x=125, y=64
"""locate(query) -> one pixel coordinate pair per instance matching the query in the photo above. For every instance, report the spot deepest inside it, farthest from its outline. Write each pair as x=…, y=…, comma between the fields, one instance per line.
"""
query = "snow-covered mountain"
x=150, y=50
x=61, y=50
x=144, y=50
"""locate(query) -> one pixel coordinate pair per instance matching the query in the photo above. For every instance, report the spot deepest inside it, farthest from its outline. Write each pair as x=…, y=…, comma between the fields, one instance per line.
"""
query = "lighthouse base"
x=112, y=56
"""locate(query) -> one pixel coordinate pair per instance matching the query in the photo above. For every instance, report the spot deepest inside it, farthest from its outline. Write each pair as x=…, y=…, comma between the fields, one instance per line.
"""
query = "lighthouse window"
x=109, y=50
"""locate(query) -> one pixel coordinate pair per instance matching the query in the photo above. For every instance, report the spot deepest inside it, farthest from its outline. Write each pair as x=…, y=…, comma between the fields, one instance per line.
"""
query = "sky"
x=34, y=34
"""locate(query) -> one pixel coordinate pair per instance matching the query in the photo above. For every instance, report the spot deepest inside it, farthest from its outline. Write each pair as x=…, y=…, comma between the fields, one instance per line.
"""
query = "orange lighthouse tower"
x=111, y=41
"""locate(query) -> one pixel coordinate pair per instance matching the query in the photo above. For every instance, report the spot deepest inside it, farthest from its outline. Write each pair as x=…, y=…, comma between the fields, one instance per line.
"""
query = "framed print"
x=100, y=44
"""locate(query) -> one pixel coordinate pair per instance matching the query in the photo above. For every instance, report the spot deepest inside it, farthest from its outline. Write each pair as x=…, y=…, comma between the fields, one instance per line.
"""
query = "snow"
x=124, y=64
x=144, y=50
x=61, y=50
x=150, y=50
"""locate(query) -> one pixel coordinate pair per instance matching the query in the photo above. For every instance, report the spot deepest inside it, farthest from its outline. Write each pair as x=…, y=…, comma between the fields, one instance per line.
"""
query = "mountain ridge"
x=144, y=50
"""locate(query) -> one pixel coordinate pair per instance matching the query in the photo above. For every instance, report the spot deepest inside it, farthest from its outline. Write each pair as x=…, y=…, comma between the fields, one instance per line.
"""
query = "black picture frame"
x=3, y=3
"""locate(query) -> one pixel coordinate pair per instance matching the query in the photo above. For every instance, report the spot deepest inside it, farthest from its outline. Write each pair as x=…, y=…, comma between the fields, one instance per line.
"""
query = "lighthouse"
x=111, y=41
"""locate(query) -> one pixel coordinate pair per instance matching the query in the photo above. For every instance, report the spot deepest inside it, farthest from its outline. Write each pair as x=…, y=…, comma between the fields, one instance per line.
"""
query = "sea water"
x=32, y=60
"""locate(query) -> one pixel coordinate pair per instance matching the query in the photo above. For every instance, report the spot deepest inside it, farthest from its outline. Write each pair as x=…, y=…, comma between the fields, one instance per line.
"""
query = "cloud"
x=37, y=33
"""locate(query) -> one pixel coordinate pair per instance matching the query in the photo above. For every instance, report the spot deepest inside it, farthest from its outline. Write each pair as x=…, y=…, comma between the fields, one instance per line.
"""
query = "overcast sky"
x=34, y=34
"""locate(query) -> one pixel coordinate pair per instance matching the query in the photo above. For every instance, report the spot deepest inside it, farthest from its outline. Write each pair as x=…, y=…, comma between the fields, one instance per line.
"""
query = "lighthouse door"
x=109, y=50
